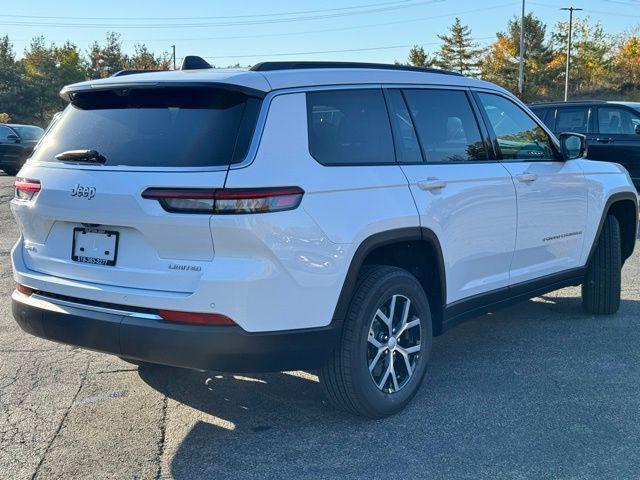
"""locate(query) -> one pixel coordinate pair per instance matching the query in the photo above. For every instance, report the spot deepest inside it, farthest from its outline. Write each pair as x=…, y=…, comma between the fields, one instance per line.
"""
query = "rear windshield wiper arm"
x=89, y=156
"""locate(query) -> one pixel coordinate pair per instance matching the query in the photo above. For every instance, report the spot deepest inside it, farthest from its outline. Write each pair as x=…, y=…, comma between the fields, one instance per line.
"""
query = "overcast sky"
x=249, y=31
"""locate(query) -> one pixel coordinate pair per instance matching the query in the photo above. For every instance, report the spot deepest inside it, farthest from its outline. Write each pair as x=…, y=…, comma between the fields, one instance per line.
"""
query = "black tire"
x=601, y=288
x=11, y=171
x=346, y=379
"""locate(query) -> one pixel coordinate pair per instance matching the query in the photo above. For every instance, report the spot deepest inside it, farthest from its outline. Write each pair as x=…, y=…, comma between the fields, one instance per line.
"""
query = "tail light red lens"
x=196, y=318
x=26, y=188
x=24, y=290
x=226, y=201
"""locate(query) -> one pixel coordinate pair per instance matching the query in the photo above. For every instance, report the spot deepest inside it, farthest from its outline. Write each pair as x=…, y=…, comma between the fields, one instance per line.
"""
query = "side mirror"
x=573, y=145
x=12, y=137
x=638, y=129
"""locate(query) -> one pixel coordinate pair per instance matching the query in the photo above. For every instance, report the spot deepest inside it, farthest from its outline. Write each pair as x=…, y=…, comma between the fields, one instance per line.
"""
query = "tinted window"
x=404, y=135
x=572, y=120
x=4, y=131
x=615, y=120
x=28, y=132
x=349, y=127
x=168, y=127
x=519, y=136
x=447, y=128
x=544, y=114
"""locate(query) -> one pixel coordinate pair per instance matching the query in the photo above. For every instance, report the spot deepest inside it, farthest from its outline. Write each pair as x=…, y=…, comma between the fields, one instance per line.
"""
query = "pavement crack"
x=163, y=431
x=62, y=420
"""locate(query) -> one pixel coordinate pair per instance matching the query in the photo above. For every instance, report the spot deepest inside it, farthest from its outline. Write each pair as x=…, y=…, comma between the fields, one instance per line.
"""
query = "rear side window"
x=519, y=137
x=546, y=115
x=161, y=127
x=349, y=127
x=573, y=120
x=617, y=121
x=447, y=128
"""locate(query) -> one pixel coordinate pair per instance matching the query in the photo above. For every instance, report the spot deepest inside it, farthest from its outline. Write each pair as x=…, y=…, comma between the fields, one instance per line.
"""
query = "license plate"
x=98, y=247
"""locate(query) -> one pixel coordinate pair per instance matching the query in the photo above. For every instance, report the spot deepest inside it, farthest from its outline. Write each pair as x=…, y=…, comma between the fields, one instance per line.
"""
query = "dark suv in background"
x=16, y=144
x=612, y=129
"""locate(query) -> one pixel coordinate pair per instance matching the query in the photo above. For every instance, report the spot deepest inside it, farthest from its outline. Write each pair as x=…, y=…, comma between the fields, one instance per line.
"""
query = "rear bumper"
x=154, y=340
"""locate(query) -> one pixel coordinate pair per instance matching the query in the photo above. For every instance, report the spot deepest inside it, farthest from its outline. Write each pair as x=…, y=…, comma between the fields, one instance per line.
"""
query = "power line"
x=225, y=24
x=307, y=32
x=317, y=52
x=280, y=14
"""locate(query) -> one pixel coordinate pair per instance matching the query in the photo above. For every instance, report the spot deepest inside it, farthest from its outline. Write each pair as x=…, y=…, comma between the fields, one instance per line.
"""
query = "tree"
x=143, y=59
x=10, y=79
x=419, y=58
x=500, y=63
x=107, y=60
x=626, y=65
x=590, y=69
x=458, y=51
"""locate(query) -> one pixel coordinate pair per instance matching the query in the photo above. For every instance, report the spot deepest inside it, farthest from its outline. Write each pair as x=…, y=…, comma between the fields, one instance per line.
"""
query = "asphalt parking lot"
x=540, y=390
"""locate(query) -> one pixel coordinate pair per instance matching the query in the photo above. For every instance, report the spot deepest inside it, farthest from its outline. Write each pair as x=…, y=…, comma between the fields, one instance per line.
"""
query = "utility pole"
x=566, y=74
x=174, y=56
x=521, y=70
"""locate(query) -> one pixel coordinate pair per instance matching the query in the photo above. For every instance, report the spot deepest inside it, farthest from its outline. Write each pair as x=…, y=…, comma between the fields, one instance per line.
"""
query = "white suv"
x=305, y=216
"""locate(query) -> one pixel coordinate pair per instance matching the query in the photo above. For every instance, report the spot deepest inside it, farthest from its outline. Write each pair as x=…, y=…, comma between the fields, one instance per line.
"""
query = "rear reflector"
x=196, y=318
x=26, y=188
x=226, y=201
x=24, y=290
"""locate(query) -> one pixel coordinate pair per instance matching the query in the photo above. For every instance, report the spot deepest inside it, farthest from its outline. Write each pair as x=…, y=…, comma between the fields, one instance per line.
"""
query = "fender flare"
x=616, y=197
x=381, y=239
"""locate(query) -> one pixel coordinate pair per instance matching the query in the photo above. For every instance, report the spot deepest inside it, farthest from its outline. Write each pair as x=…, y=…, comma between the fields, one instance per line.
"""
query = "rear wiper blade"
x=89, y=156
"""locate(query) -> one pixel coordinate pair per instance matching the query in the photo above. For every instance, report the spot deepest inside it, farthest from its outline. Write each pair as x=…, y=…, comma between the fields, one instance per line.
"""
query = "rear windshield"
x=157, y=127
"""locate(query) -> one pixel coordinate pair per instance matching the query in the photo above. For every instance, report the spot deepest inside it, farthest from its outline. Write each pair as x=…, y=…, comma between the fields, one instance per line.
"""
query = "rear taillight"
x=226, y=201
x=24, y=290
x=196, y=318
x=26, y=188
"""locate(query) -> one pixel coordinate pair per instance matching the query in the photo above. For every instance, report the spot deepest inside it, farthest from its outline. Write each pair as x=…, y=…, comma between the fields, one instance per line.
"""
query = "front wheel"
x=382, y=356
x=602, y=285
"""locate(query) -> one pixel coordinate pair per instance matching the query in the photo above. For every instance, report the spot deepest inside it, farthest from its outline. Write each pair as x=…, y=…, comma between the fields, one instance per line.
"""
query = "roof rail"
x=122, y=73
x=272, y=66
x=568, y=102
x=193, y=62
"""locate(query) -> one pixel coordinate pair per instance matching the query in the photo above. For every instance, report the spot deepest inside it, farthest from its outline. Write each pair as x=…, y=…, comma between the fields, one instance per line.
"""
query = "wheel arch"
x=415, y=249
x=624, y=206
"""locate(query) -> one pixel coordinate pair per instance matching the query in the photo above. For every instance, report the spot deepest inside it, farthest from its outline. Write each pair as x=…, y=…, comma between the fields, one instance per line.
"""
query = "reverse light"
x=26, y=188
x=24, y=290
x=226, y=201
x=196, y=318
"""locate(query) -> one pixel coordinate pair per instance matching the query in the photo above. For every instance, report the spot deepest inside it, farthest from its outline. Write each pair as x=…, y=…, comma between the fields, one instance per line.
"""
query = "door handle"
x=604, y=139
x=527, y=177
x=431, y=184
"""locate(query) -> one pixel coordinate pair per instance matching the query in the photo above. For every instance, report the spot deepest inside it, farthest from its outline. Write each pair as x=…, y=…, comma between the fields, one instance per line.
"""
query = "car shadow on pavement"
x=509, y=394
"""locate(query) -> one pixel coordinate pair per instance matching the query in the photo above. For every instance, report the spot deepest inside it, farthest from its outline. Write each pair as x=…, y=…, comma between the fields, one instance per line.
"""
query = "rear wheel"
x=601, y=288
x=382, y=356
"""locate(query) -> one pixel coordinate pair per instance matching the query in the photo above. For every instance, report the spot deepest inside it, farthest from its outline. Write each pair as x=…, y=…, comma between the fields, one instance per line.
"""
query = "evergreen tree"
x=143, y=59
x=107, y=60
x=10, y=80
x=458, y=51
x=419, y=58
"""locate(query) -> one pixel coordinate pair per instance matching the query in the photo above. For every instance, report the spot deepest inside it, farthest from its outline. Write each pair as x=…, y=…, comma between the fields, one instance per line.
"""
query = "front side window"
x=617, y=121
x=574, y=120
x=519, y=137
x=29, y=133
x=446, y=126
x=349, y=127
